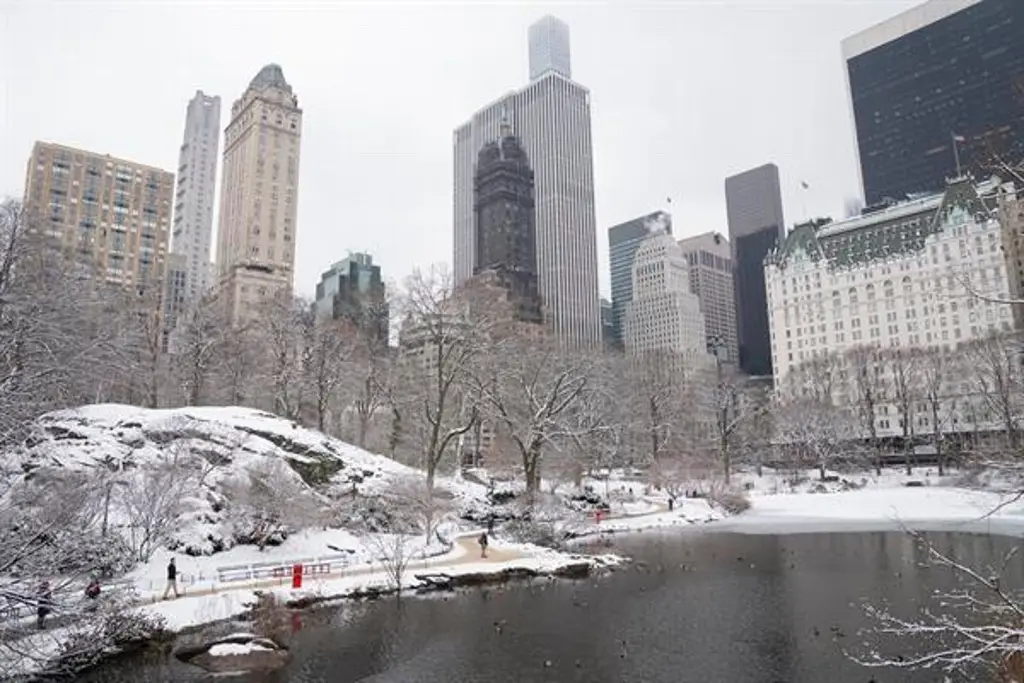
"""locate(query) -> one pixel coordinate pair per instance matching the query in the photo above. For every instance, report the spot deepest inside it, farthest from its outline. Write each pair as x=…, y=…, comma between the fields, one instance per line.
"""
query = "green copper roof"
x=888, y=233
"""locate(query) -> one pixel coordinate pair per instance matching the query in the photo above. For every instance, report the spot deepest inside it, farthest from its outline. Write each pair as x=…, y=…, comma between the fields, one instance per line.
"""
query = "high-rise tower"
x=192, y=232
x=936, y=87
x=259, y=193
x=551, y=118
x=754, y=205
x=549, y=48
x=506, y=234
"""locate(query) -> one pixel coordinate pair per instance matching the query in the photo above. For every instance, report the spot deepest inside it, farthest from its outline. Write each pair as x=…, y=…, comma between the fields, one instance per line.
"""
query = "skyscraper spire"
x=505, y=128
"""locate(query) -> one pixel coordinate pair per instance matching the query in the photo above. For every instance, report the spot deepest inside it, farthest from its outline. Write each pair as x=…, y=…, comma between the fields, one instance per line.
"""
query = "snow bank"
x=921, y=508
x=235, y=649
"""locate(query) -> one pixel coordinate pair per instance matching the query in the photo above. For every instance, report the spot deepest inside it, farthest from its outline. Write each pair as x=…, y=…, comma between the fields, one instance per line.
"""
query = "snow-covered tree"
x=819, y=433
x=267, y=502
x=198, y=337
x=936, y=371
x=998, y=382
x=869, y=389
x=439, y=344
x=331, y=363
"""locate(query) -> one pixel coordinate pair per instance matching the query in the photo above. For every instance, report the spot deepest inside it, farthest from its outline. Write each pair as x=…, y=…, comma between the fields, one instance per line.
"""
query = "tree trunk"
x=821, y=470
x=361, y=436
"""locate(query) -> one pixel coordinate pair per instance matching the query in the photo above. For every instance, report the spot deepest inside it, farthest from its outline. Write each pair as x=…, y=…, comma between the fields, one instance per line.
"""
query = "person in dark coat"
x=44, y=604
x=172, y=579
x=483, y=544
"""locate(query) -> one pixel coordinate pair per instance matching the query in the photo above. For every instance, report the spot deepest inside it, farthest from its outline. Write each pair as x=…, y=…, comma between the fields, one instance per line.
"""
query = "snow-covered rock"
x=227, y=444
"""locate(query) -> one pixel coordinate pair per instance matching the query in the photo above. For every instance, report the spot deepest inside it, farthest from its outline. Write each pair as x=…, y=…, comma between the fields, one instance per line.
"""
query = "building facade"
x=506, y=233
x=756, y=227
x=711, y=279
x=889, y=279
x=114, y=212
x=192, y=231
x=608, y=334
x=946, y=73
x=663, y=314
x=352, y=289
x=549, y=48
x=259, y=194
x=623, y=241
x=551, y=117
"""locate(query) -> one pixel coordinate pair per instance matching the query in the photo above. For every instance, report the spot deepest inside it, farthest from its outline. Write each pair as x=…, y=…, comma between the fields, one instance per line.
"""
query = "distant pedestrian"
x=483, y=544
x=44, y=604
x=671, y=503
x=172, y=579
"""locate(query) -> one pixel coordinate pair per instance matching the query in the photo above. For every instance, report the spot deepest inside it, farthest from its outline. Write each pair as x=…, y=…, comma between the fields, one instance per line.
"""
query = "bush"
x=731, y=501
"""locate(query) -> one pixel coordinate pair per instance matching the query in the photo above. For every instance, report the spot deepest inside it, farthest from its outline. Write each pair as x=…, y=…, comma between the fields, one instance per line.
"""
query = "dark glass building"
x=353, y=290
x=505, y=222
x=942, y=74
x=754, y=204
x=623, y=241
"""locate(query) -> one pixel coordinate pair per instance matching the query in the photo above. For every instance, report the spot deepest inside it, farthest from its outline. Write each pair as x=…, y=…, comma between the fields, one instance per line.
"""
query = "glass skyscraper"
x=949, y=72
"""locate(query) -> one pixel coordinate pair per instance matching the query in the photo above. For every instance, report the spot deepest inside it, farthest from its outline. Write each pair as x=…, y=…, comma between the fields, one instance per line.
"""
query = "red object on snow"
x=296, y=576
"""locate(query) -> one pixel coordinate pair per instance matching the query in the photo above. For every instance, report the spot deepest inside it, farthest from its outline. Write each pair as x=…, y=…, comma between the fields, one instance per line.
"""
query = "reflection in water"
x=702, y=608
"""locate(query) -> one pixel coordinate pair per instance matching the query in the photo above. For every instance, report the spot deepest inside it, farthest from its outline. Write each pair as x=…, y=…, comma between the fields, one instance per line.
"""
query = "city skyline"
x=370, y=132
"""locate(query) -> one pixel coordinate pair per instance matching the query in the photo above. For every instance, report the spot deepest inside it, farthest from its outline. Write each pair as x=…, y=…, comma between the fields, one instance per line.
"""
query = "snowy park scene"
x=512, y=342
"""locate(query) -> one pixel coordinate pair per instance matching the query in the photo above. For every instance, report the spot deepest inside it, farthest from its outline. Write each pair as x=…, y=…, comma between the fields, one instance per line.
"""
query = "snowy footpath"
x=202, y=604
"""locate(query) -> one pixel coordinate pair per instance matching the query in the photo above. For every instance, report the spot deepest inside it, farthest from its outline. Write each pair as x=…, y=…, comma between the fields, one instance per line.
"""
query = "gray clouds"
x=683, y=94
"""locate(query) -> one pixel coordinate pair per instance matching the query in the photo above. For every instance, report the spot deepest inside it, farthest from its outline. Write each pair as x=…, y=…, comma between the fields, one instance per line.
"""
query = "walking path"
x=465, y=550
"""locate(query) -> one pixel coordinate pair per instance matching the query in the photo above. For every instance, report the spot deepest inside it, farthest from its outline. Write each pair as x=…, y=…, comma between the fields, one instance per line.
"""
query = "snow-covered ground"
x=883, y=503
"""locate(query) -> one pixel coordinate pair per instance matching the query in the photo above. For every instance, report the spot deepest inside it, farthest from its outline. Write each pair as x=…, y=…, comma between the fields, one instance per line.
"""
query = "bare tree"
x=732, y=411
x=904, y=370
x=373, y=381
x=197, y=338
x=283, y=337
x=935, y=378
x=330, y=363
x=410, y=495
x=156, y=495
x=268, y=501
x=439, y=344
x=529, y=386
x=868, y=389
x=977, y=625
x=394, y=552
x=57, y=328
x=997, y=381
x=820, y=432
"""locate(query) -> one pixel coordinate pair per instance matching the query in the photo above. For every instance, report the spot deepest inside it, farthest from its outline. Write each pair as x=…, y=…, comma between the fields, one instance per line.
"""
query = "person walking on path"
x=483, y=544
x=172, y=579
x=44, y=604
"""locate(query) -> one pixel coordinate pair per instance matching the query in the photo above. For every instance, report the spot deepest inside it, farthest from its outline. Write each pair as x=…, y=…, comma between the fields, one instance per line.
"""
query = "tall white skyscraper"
x=551, y=117
x=259, y=193
x=192, y=233
x=549, y=48
x=664, y=314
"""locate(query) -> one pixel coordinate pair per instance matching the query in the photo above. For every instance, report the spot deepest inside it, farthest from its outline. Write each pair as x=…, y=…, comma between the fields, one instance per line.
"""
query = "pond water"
x=702, y=608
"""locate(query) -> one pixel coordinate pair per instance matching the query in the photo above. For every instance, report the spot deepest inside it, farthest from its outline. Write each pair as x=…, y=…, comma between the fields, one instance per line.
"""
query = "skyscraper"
x=115, y=212
x=711, y=280
x=936, y=85
x=623, y=241
x=506, y=234
x=259, y=194
x=352, y=289
x=754, y=205
x=551, y=117
x=549, y=48
x=663, y=315
x=192, y=232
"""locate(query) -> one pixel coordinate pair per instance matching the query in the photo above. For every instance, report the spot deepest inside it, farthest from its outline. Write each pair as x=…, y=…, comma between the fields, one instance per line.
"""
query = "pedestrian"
x=483, y=544
x=172, y=579
x=44, y=604
x=671, y=503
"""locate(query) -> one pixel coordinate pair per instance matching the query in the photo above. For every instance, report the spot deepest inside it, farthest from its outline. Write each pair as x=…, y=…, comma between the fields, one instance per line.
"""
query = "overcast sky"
x=684, y=93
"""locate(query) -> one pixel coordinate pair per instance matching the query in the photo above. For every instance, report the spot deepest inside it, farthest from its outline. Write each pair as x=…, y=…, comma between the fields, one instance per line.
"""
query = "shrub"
x=731, y=501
